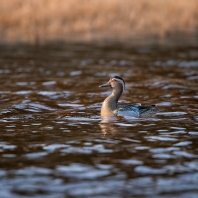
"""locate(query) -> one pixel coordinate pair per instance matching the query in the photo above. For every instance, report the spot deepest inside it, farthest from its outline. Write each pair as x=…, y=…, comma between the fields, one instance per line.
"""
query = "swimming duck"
x=111, y=109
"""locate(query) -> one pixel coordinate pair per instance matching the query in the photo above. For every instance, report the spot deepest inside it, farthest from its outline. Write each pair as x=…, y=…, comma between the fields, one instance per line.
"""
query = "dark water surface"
x=52, y=141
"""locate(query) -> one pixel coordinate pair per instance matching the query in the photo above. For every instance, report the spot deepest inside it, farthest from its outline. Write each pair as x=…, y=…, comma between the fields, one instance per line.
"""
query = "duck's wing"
x=131, y=107
x=146, y=111
x=136, y=110
x=129, y=110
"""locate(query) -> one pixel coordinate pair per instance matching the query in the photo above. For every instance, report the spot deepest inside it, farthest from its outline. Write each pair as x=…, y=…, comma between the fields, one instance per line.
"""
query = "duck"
x=110, y=107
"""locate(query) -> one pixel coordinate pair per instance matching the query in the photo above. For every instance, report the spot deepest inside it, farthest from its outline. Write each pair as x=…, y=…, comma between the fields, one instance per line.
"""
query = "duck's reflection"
x=108, y=126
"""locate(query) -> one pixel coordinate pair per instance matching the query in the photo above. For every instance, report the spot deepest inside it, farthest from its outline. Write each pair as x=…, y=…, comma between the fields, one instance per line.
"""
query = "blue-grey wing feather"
x=129, y=110
x=136, y=110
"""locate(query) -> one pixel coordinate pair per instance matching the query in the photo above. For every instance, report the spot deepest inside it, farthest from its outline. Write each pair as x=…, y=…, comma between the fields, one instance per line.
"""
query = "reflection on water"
x=54, y=144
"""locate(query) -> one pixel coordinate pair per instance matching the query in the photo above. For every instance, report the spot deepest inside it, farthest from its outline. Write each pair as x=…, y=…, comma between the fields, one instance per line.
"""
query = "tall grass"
x=39, y=21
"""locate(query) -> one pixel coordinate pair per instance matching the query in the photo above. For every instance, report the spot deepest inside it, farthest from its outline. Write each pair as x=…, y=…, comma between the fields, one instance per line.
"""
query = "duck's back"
x=136, y=110
x=148, y=111
x=129, y=110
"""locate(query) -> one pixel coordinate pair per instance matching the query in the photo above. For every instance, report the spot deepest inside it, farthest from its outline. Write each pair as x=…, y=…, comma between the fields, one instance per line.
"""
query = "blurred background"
x=38, y=22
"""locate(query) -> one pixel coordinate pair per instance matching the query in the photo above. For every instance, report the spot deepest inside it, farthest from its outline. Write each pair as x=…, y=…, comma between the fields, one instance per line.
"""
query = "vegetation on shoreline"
x=39, y=21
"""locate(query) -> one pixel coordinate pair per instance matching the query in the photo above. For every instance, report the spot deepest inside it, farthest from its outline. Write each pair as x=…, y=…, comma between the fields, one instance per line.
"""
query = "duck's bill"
x=105, y=85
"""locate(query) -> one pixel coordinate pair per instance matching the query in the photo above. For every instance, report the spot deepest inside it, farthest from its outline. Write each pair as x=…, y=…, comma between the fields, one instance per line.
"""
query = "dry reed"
x=39, y=21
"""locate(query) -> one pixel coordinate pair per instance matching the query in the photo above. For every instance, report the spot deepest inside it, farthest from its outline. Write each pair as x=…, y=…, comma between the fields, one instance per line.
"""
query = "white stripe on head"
x=120, y=81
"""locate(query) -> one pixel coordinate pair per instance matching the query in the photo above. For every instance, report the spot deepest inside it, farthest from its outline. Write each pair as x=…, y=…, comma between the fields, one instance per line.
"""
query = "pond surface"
x=52, y=140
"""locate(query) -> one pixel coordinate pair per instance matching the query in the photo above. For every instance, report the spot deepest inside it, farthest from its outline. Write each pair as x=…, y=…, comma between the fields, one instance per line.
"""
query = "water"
x=52, y=140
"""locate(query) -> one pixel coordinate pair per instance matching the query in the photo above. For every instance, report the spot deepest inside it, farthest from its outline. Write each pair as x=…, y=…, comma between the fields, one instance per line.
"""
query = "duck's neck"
x=110, y=104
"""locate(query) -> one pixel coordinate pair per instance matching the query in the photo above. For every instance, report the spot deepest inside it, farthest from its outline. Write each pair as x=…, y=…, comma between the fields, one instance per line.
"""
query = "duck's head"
x=115, y=82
